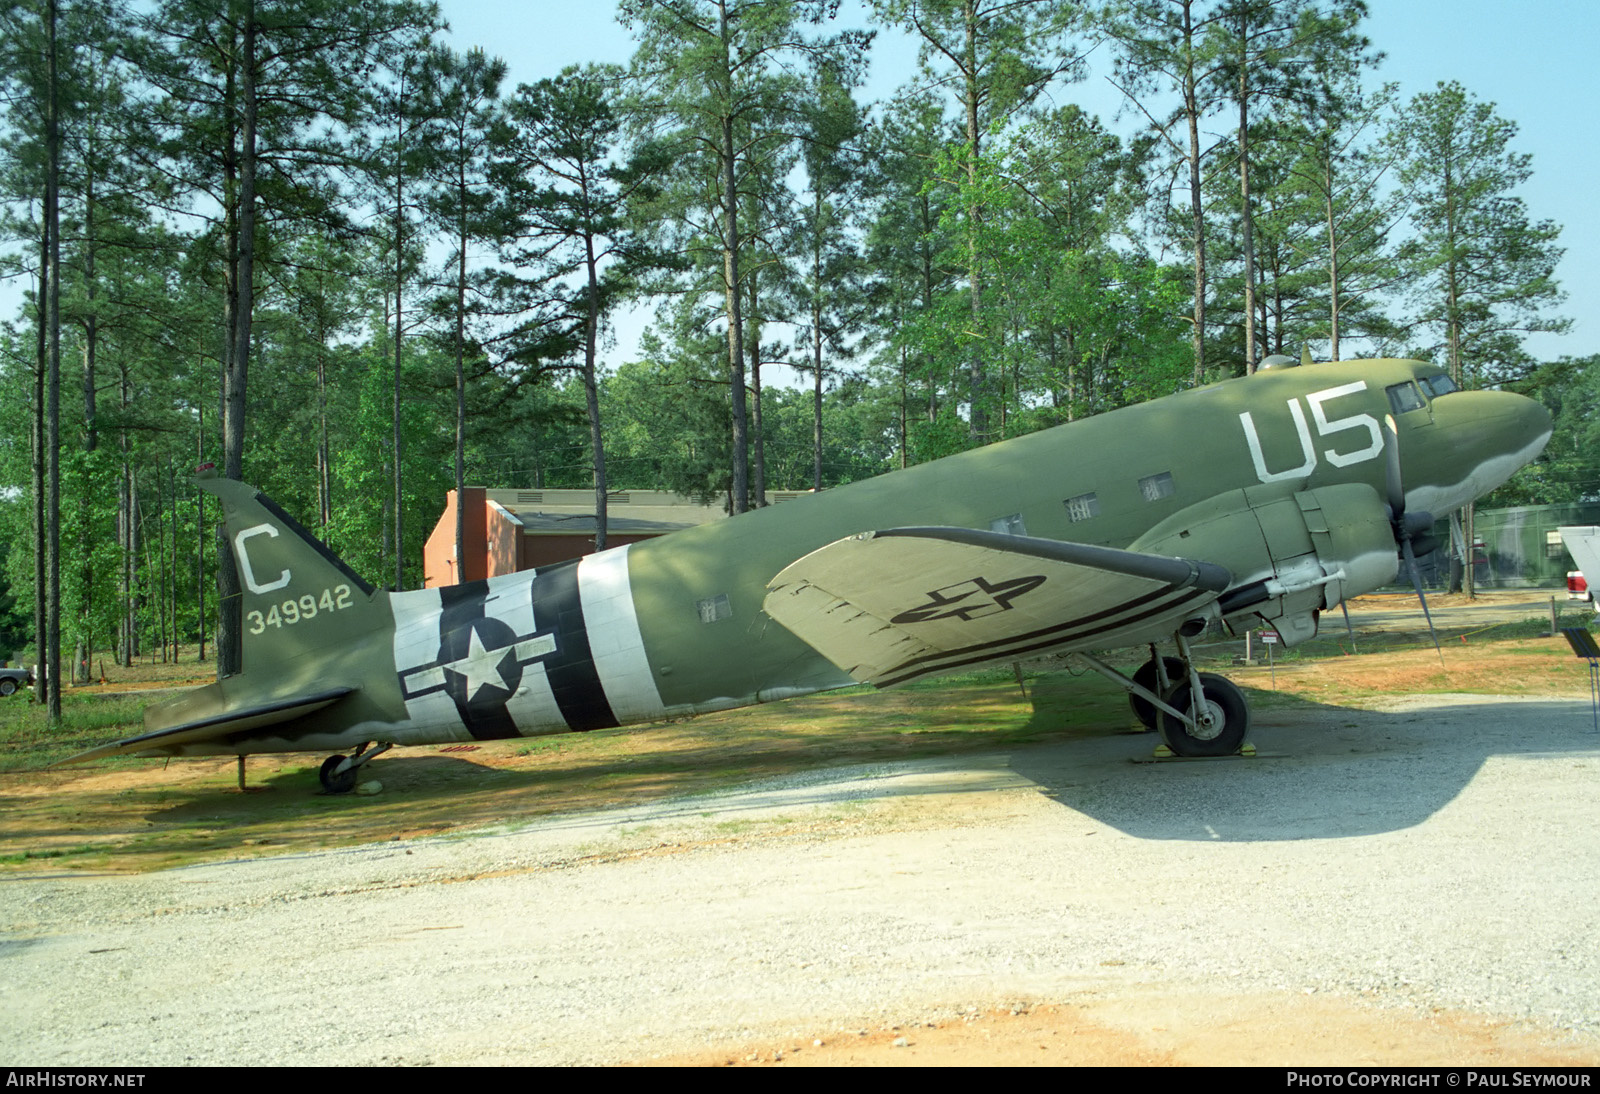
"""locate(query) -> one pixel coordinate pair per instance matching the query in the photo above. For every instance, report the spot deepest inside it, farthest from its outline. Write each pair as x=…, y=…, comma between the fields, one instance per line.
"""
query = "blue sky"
x=1531, y=59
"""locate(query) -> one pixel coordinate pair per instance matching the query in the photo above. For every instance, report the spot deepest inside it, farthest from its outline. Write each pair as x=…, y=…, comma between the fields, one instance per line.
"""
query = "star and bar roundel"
x=513, y=656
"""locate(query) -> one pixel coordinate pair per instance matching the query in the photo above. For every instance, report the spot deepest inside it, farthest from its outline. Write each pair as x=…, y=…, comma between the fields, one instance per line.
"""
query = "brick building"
x=510, y=530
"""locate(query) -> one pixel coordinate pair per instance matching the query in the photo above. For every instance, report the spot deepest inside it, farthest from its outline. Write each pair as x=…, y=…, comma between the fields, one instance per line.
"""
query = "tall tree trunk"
x=739, y=493
x=230, y=620
x=977, y=374
x=1191, y=106
x=816, y=400
x=759, y=461
x=399, y=277
x=591, y=388
x=200, y=541
x=1333, y=259
x=53, y=408
x=41, y=371
x=1249, y=223
x=461, y=374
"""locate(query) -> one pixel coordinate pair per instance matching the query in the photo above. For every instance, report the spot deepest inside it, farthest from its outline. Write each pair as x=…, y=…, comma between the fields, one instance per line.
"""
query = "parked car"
x=12, y=679
x=1583, y=544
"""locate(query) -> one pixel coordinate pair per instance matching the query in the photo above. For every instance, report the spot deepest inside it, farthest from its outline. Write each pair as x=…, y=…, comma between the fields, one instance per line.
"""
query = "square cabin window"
x=714, y=609
x=1009, y=526
x=1156, y=487
x=1082, y=507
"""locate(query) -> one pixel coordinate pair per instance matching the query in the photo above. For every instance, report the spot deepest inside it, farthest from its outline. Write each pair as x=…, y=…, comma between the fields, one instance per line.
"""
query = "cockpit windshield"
x=1437, y=385
x=1404, y=397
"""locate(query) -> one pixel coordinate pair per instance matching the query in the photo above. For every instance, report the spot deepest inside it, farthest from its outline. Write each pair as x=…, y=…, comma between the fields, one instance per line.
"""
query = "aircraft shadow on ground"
x=1321, y=772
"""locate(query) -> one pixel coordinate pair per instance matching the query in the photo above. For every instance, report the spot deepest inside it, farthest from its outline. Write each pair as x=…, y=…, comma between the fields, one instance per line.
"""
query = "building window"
x=1156, y=487
x=714, y=609
x=1009, y=526
x=1082, y=507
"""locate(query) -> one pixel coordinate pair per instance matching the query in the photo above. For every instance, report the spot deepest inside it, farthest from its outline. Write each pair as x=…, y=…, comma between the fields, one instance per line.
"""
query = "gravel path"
x=1441, y=853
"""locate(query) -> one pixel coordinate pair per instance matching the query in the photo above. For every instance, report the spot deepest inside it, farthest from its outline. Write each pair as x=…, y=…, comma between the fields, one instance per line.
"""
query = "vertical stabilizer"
x=299, y=599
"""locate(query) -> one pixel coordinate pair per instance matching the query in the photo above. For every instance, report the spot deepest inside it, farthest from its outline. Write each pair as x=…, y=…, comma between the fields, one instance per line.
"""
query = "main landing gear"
x=1196, y=713
x=339, y=773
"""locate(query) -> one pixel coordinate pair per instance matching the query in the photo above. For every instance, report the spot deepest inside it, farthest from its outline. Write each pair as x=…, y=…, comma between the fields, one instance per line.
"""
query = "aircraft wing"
x=234, y=722
x=891, y=606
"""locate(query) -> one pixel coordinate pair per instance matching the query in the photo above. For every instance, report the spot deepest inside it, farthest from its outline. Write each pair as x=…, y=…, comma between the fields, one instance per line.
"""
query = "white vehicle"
x=1583, y=544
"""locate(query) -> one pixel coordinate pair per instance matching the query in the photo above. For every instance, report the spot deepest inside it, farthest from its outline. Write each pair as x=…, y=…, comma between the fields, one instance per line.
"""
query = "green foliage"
x=1569, y=468
x=1482, y=273
x=959, y=264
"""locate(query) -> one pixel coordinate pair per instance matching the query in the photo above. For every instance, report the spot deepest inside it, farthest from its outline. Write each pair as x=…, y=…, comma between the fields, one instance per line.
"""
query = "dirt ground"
x=142, y=816
x=1161, y=1028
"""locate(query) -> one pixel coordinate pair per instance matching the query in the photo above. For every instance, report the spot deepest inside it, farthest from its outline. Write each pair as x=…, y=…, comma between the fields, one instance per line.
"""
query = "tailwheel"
x=335, y=781
x=1222, y=718
x=1147, y=677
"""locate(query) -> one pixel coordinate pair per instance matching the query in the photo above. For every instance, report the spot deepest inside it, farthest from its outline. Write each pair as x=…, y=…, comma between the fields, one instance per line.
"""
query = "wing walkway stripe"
x=996, y=650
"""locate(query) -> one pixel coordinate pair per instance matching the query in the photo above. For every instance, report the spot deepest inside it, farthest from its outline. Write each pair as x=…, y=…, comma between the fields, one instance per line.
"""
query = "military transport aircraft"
x=1270, y=498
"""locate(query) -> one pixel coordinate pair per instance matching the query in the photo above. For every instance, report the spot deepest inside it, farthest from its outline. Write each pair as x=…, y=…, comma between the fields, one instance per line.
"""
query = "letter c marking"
x=244, y=559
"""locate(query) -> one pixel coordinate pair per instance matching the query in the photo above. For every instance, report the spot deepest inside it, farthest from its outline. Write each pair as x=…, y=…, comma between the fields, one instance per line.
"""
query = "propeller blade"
x=1344, y=607
x=1416, y=583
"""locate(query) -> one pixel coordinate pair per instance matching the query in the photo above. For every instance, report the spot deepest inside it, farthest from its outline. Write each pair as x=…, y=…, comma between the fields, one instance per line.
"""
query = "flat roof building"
x=511, y=530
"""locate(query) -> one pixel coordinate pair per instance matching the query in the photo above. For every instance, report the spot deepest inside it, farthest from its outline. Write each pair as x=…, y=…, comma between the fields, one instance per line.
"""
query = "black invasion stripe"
x=573, y=678
x=461, y=605
x=1069, y=625
x=996, y=653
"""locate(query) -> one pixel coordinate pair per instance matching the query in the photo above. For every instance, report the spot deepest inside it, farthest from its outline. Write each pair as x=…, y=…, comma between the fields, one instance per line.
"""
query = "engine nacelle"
x=1294, y=553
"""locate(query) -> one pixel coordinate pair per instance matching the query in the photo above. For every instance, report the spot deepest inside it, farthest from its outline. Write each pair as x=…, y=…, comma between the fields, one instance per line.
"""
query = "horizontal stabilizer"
x=891, y=606
x=215, y=727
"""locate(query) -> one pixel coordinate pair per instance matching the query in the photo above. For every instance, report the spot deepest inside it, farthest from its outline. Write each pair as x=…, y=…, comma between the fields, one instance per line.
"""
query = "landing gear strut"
x=1158, y=675
x=1196, y=713
x=339, y=773
x=1216, y=716
x=1221, y=718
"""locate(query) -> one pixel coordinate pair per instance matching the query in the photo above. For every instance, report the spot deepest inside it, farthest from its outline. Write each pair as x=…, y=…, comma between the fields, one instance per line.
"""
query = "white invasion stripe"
x=606, y=595
x=533, y=708
x=416, y=627
x=510, y=600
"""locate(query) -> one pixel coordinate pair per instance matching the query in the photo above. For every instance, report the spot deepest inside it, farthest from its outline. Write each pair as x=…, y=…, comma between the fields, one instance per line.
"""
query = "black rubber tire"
x=337, y=784
x=8, y=686
x=1227, y=698
x=1145, y=677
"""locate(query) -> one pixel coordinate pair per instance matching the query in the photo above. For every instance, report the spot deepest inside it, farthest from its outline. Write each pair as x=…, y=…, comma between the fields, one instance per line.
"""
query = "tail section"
x=316, y=646
x=298, y=597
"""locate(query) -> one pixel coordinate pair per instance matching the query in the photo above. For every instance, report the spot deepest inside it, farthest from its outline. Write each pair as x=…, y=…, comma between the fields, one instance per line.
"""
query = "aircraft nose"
x=1483, y=437
x=1497, y=423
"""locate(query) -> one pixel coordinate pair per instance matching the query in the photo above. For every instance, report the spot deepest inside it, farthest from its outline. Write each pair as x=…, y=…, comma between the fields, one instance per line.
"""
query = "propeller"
x=1410, y=529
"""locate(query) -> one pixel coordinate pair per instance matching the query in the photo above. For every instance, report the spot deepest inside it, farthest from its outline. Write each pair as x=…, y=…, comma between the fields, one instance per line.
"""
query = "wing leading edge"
x=895, y=605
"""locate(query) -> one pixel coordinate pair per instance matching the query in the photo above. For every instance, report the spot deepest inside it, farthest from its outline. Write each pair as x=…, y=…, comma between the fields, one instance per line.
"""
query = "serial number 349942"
x=293, y=611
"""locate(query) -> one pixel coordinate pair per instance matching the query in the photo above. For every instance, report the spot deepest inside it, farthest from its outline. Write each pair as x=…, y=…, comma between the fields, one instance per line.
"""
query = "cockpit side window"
x=1404, y=397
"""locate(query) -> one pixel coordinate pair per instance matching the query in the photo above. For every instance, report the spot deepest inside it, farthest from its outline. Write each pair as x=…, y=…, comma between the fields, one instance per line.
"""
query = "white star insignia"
x=480, y=667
